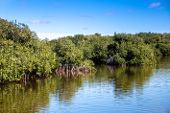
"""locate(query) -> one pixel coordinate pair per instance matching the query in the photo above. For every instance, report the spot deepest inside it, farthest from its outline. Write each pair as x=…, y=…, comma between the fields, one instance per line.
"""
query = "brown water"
x=132, y=89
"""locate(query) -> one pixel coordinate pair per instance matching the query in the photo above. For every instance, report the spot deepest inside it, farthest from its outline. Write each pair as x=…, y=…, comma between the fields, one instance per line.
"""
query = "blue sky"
x=56, y=18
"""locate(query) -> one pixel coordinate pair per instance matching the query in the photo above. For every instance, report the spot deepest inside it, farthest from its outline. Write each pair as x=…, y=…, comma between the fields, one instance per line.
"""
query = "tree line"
x=22, y=53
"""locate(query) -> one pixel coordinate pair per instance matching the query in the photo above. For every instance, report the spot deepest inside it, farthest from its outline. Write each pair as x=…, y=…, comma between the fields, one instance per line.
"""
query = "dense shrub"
x=164, y=48
x=129, y=53
x=159, y=42
x=17, y=32
x=22, y=54
x=17, y=60
x=67, y=52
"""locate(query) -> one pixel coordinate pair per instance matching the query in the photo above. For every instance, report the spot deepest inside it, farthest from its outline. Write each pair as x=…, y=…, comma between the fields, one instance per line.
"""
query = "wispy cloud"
x=39, y=22
x=87, y=16
x=22, y=3
x=110, y=13
x=154, y=5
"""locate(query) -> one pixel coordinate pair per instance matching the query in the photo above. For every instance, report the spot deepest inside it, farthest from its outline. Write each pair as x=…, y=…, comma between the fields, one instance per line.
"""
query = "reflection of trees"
x=128, y=78
x=124, y=79
x=67, y=86
x=163, y=60
x=35, y=95
x=20, y=98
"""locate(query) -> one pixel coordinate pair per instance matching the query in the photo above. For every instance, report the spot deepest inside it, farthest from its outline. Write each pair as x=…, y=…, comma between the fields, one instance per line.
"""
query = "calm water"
x=112, y=89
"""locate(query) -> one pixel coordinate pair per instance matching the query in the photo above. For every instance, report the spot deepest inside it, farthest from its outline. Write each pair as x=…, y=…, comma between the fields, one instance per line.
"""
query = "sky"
x=57, y=18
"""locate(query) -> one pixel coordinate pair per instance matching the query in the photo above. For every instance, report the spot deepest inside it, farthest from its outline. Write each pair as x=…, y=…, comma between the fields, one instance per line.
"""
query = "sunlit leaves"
x=22, y=53
x=17, y=32
x=68, y=52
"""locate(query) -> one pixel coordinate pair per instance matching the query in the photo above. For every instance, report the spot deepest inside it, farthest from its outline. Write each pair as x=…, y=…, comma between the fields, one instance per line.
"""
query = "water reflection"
x=127, y=79
x=67, y=86
x=163, y=62
x=20, y=98
x=35, y=96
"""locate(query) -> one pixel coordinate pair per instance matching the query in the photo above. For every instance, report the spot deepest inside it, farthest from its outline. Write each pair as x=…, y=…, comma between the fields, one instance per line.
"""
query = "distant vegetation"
x=123, y=48
x=22, y=53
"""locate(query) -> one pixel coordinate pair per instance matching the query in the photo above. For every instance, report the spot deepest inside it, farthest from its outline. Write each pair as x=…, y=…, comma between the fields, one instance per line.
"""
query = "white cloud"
x=39, y=22
x=154, y=5
x=51, y=36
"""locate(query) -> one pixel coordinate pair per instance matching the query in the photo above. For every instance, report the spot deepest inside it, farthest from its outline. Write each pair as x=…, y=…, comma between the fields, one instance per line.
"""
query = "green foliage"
x=125, y=48
x=83, y=43
x=159, y=42
x=67, y=52
x=130, y=49
x=80, y=48
x=164, y=48
x=23, y=53
x=17, y=32
x=100, y=53
x=17, y=60
x=20, y=55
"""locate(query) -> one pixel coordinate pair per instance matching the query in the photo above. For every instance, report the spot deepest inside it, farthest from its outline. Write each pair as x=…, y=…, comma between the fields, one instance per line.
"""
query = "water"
x=132, y=89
